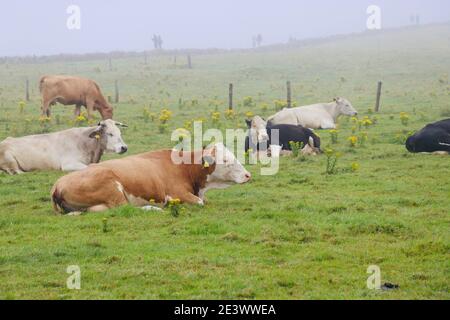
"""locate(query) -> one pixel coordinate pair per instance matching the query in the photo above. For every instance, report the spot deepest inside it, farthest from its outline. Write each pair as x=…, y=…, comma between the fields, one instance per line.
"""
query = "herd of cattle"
x=152, y=179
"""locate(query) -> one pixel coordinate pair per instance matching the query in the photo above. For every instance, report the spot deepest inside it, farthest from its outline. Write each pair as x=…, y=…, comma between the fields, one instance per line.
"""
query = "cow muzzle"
x=121, y=149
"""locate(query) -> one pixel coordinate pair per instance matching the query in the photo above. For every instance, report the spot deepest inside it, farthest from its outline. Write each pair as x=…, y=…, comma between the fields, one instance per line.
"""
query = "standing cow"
x=316, y=116
x=76, y=91
x=67, y=150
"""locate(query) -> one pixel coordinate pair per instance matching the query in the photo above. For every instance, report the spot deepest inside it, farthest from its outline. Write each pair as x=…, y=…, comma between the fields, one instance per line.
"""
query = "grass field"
x=300, y=234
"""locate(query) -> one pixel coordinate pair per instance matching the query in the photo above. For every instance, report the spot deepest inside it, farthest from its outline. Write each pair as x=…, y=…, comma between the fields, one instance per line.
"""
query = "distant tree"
x=254, y=42
x=417, y=19
x=160, y=42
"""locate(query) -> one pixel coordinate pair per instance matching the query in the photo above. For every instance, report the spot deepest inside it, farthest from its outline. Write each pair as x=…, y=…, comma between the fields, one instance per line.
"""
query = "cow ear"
x=97, y=132
x=207, y=161
x=209, y=155
x=249, y=123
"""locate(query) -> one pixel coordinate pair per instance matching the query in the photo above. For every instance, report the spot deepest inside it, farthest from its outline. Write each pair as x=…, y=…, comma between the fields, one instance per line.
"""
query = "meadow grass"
x=300, y=234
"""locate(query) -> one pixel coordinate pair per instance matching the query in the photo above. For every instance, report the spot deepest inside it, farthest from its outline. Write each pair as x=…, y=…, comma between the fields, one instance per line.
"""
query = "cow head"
x=411, y=144
x=110, y=137
x=227, y=169
x=310, y=149
x=345, y=107
x=106, y=111
x=258, y=130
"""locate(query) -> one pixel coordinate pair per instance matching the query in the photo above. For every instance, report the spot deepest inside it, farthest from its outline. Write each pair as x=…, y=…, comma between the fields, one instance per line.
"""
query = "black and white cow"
x=286, y=134
x=435, y=137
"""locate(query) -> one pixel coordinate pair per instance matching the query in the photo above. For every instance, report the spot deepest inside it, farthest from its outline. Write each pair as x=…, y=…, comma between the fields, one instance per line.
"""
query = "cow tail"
x=59, y=205
x=41, y=83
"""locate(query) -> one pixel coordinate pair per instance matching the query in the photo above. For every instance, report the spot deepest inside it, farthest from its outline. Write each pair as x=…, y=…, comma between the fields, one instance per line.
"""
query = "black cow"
x=434, y=137
x=286, y=133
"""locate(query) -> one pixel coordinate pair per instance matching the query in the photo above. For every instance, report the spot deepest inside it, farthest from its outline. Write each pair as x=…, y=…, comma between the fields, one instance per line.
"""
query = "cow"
x=286, y=134
x=433, y=138
x=149, y=178
x=67, y=150
x=77, y=91
x=316, y=116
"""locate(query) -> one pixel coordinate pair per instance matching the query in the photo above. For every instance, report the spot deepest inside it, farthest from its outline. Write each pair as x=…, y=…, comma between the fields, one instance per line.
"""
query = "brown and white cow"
x=150, y=177
x=67, y=150
x=77, y=91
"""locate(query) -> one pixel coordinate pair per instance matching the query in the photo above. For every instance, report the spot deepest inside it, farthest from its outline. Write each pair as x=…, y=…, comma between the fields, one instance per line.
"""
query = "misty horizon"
x=38, y=29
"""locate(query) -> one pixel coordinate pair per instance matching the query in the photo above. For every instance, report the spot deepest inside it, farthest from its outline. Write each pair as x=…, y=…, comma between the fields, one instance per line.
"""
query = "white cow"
x=67, y=150
x=316, y=116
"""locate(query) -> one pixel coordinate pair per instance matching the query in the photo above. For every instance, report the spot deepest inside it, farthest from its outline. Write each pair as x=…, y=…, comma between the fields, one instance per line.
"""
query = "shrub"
x=332, y=157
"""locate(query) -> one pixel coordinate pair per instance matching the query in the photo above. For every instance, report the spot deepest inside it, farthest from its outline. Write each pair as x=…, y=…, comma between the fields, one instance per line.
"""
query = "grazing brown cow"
x=149, y=176
x=76, y=91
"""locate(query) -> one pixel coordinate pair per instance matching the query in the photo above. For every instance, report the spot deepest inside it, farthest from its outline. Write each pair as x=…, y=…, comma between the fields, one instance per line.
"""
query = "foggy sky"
x=39, y=27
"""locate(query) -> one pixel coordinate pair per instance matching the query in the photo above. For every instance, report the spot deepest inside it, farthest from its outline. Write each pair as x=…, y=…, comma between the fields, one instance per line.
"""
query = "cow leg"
x=73, y=166
x=77, y=110
x=191, y=199
x=98, y=208
x=90, y=108
x=45, y=106
x=8, y=164
x=328, y=125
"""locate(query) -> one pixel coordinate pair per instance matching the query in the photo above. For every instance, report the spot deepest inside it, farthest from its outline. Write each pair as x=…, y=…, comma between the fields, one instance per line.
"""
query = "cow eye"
x=110, y=134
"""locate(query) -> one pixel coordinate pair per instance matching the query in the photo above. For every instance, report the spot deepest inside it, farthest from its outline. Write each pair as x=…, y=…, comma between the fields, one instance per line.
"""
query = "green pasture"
x=299, y=234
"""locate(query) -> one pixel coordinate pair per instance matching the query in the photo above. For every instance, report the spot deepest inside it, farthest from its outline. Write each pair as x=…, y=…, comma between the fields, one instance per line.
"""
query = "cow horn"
x=120, y=124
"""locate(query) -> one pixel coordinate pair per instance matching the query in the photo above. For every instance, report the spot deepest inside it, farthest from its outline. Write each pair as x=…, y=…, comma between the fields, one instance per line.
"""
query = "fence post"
x=289, y=100
x=377, y=106
x=116, y=86
x=27, y=90
x=230, y=97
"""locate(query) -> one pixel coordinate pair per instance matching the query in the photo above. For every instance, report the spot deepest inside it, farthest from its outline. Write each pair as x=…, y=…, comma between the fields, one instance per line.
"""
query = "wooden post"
x=230, y=97
x=289, y=100
x=189, y=61
x=27, y=90
x=377, y=106
x=116, y=86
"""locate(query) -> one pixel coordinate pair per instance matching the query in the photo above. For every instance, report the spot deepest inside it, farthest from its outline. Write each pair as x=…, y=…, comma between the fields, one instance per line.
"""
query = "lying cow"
x=316, y=116
x=73, y=91
x=66, y=150
x=435, y=137
x=138, y=179
x=257, y=139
